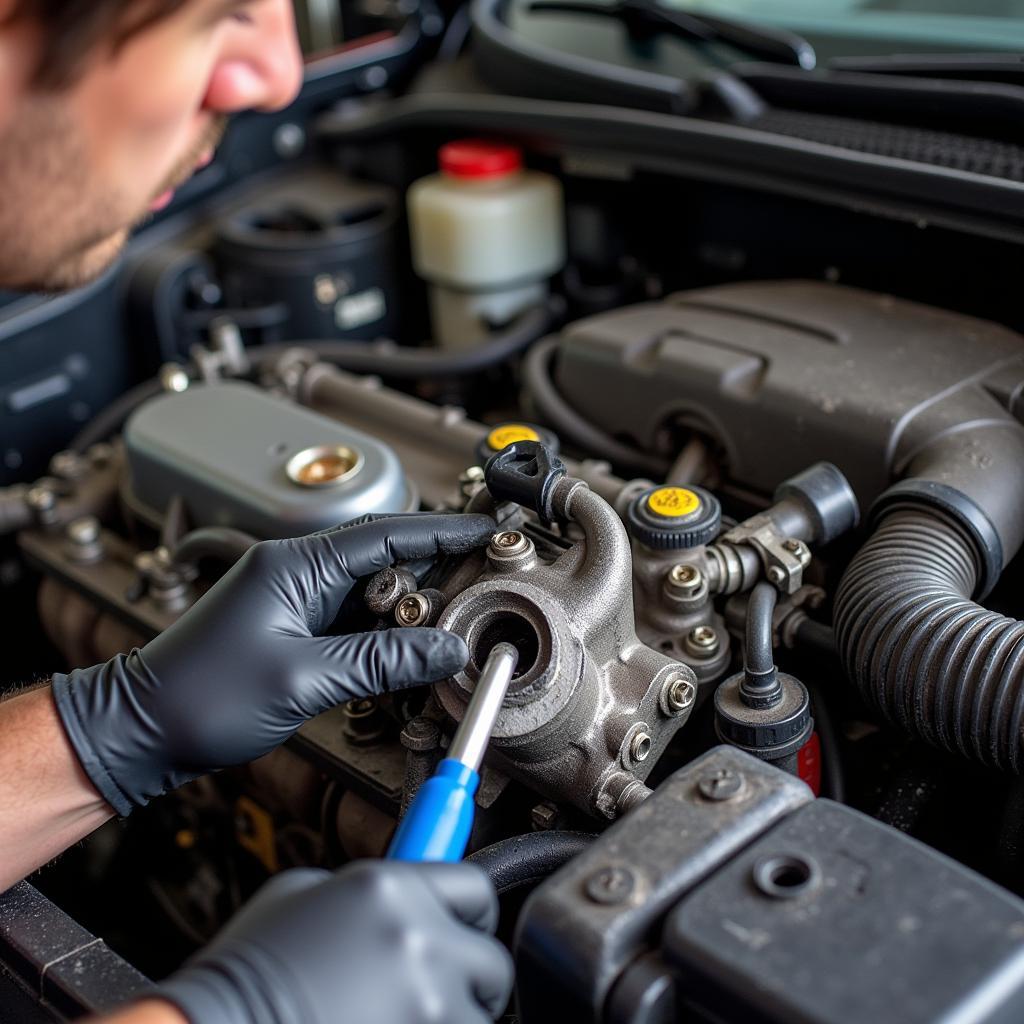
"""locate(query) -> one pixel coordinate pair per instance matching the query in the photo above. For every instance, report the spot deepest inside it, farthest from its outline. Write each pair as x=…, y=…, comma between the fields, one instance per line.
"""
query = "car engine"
x=753, y=437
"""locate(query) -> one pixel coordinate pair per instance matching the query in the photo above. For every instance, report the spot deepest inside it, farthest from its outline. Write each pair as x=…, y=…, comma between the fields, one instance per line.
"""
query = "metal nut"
x=544, y=817
x=412, y=610
x=677, y=694
x=721, y=784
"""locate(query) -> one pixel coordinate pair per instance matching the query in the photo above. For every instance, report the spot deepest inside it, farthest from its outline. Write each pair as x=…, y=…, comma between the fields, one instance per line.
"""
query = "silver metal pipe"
x=474, y=731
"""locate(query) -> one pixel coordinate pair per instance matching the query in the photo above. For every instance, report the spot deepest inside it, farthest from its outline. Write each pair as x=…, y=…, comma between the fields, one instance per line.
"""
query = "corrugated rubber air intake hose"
x=920, y=650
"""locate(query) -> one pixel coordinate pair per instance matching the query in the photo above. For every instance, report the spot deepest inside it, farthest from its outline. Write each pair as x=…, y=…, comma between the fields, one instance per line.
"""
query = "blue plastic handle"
x=438, y=822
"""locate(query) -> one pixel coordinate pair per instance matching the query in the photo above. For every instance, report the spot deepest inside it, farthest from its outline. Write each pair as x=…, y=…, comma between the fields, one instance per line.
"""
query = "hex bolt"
x=720, y=784
x=640, y=747
x=84, y=532
x=412, y=610
x=509, y=545
x=610, y=885
x=678, y=694
x=794, y=546
x=702, y=642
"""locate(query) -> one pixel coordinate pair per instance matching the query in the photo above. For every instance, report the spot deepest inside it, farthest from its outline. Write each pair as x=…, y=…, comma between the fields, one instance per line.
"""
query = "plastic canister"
x=486, y=234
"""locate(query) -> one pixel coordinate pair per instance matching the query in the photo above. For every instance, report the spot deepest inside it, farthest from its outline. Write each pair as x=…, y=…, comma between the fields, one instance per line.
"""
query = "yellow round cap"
x=503, y=436
x=673, y=502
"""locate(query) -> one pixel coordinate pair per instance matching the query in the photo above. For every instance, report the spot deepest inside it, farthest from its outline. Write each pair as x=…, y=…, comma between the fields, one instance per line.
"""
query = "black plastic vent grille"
x=935, y=148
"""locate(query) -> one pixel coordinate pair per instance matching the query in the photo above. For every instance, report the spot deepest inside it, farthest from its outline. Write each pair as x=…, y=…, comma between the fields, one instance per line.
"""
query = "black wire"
x=573, y=427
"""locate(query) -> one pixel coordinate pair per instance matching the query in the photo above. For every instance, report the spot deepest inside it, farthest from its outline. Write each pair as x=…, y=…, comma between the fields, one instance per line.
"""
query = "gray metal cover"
x=225, y=448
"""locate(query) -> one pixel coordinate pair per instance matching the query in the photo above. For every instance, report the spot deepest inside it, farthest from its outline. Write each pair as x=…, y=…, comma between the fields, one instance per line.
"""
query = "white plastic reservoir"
x=487, y=234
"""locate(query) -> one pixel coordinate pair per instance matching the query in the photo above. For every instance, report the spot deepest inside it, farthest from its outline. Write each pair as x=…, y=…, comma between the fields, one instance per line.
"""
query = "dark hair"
x=76, y=31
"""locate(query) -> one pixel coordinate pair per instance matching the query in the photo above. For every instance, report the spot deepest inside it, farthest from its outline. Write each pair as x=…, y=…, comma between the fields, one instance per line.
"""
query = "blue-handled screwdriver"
x=437, y=823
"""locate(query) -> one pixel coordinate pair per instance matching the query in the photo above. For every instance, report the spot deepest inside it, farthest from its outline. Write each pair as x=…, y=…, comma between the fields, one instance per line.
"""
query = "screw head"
x=325, y=290
x=720, y=784
x=777, y=575
x=412, y=610
x=702, y=642
x=679, y=694
x=610, y=885
x=686, y=576
x=510, y=544
x=794, y=546
x=509, y=539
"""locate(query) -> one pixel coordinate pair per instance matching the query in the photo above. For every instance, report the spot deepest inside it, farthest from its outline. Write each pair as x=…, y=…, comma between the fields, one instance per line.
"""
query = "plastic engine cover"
x=244, y=458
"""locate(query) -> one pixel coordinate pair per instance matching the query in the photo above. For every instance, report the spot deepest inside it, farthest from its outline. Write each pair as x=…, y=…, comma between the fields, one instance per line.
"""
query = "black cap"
x=504, y=434
x=672, y=518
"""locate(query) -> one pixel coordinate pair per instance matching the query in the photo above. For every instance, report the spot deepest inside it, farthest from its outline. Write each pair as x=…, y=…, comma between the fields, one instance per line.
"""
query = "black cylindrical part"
x=529, y=858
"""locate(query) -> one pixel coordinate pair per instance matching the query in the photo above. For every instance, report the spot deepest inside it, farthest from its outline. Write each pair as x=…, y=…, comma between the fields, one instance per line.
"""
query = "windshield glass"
x=868, y=27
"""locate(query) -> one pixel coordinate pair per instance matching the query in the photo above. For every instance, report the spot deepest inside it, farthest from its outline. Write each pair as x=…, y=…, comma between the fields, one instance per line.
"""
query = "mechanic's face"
x=80, y=167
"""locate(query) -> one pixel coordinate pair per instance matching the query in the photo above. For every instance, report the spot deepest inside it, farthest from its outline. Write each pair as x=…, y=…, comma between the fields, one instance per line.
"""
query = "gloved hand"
x=382, y=942
x=243, y=668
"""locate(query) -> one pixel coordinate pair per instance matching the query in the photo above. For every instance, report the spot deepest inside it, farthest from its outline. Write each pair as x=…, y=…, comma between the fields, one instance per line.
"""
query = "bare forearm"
x=152, y=1011
x=46, y=801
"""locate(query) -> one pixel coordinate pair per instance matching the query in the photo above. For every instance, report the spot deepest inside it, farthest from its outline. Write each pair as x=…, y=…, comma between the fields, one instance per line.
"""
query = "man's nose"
x=261, y=66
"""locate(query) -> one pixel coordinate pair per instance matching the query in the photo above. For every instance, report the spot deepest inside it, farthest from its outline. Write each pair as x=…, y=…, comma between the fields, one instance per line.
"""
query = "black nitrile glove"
x=239, y=672
x=381, y=942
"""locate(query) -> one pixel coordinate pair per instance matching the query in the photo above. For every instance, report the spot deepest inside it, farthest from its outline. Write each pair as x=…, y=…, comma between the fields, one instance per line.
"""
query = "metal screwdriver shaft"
x=438, y=822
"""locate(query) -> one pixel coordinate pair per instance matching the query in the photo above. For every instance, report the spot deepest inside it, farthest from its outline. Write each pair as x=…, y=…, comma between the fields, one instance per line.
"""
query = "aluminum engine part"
x=588, y=713
x=241, y=457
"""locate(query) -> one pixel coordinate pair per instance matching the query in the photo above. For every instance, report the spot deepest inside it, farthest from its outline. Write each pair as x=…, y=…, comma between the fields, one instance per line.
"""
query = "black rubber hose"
x=219, y=542
x=567, y=422
x=112, y=418
x=758, y=660
x=386, y=359
x=816, y=635
x=930, y=659
x=525, y=859
x=383, y=359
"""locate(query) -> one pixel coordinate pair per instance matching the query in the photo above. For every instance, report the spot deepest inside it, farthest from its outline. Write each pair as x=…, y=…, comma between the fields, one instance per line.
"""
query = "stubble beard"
x=55, y=234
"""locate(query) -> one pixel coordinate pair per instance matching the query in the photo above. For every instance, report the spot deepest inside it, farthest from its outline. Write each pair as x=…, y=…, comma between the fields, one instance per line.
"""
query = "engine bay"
x=754, y=450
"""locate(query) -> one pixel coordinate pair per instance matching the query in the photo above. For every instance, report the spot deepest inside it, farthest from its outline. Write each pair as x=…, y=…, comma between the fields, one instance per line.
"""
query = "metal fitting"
x=68, y=466
x=364, y=722
x=173, y=378
x=640, y=747
x=511, y=542
x=677, y=695
x=470, y=481
x=702, y=642
x=412, y=610
x=511, y=550
x=544, y=817
x=387, y=587
x=84, y=543
x=610, y=885
x=687, y=578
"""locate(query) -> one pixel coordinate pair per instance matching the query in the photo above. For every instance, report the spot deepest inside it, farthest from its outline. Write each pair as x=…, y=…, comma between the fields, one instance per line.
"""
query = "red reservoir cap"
x=478, y=158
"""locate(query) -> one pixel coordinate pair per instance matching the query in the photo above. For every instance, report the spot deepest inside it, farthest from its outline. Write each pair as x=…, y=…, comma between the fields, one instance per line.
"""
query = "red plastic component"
x=478, y=158
x=808, y=763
